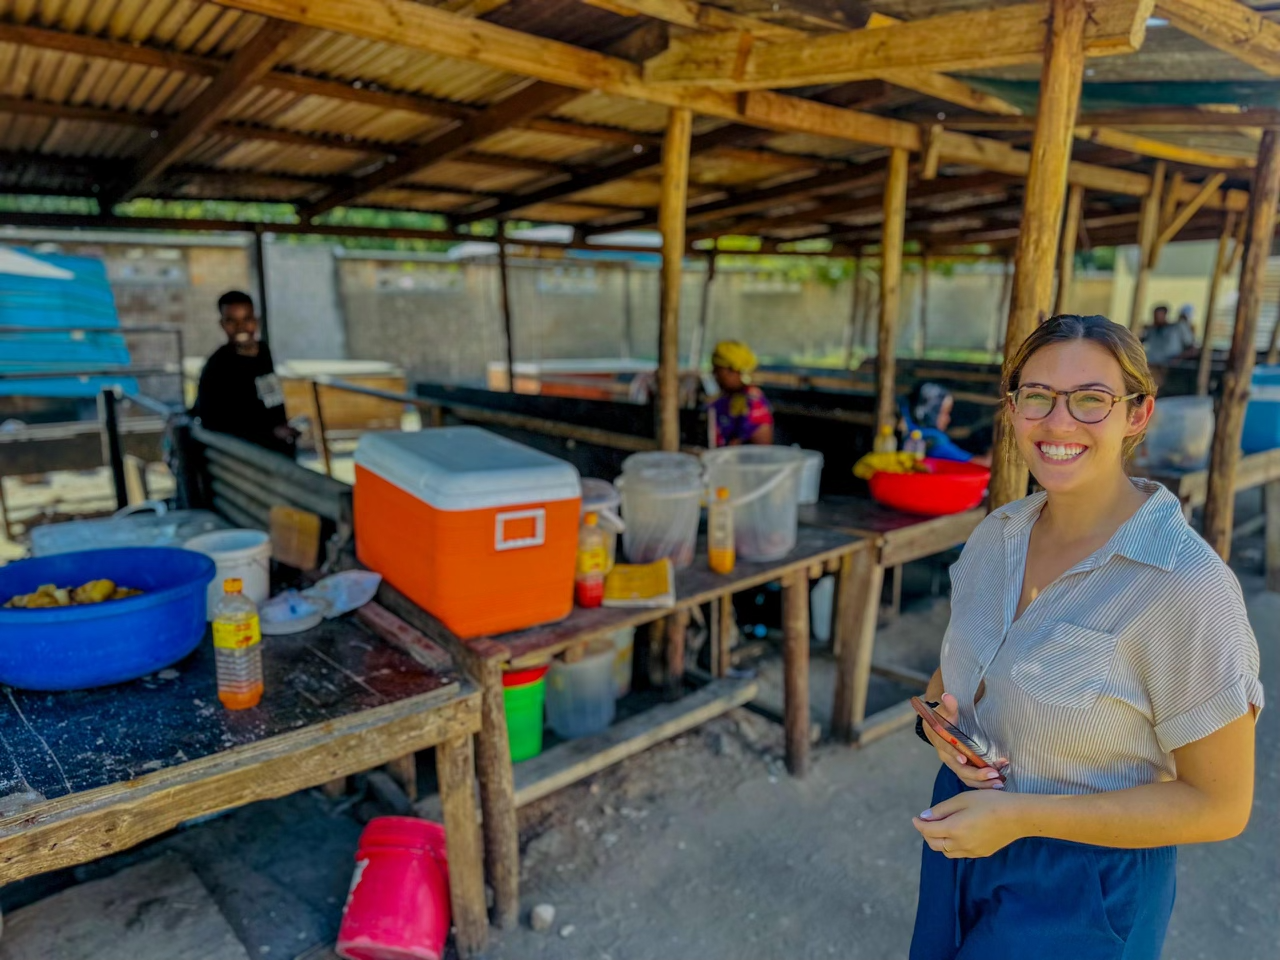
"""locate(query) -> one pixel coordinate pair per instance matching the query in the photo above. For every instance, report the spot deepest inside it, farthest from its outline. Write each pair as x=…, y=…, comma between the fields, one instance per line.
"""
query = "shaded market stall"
x=1021, y=131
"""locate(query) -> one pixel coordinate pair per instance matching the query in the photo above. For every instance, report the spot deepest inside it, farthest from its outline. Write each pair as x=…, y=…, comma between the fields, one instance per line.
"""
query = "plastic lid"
x=466, y=468
x=232, y=585
x=599, y=495
x=591, y=519
x=722, y=493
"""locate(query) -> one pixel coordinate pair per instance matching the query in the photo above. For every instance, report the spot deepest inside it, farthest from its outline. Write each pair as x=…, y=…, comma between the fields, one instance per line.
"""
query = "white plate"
x=280, y=628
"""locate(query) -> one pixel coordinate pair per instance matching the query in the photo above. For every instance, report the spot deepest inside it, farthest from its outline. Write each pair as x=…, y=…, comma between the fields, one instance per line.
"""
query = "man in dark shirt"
x=239, y=391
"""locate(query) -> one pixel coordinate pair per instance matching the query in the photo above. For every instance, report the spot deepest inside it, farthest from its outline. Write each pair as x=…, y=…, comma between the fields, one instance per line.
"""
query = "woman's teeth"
x=1061, y=451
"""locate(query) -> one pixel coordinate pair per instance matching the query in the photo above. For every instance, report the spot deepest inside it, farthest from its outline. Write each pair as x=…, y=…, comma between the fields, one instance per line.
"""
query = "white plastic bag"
x=345, y=591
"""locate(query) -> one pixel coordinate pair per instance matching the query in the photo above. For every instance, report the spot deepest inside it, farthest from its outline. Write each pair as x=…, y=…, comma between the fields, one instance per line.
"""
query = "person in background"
x=928, y=410
x=1163, y=341
x=741, y=414
x=239, y=391
x=1186, y=316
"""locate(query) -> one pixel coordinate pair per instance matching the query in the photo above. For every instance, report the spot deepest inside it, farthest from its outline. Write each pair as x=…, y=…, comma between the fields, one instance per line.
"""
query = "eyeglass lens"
x=1087, y=406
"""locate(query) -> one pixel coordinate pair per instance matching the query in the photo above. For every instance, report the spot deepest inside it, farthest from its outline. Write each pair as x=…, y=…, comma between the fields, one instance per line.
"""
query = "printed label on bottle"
x=592, y=560
x=236, y=636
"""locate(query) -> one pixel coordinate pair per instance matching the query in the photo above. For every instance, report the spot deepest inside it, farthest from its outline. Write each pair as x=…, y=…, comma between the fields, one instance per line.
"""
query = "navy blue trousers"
x=1042, y=899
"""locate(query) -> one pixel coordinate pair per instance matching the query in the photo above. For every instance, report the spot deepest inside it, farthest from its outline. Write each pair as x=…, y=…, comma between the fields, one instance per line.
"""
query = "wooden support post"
x=456, y=773
x=895, y=210
x=1219, y=505
x=795, y=652
x=671, y=221
x=855, y=309
x=1220, y=263
x=260, y=265
x=1042, y=205
x=677, y=628
x=1067, y=248
x=497, y=797
x=1271, y=506
x=318, y=432
x=404, y=771
x=922, y=333
x=1148, y=230
x=858, y=608
x=699, y=344
x=507, y=330
x=628, y=336
x=724, y=634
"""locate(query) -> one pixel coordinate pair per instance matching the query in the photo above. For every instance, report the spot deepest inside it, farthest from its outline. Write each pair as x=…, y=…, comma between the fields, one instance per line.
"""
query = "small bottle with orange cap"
x=237, y=645
x=593, y=558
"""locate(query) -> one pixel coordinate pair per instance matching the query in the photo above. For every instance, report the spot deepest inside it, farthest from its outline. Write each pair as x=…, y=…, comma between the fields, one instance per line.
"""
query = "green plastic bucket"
x=523, y=704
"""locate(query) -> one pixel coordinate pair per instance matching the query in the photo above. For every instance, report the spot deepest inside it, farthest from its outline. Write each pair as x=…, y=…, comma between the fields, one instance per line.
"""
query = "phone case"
x=976, y=752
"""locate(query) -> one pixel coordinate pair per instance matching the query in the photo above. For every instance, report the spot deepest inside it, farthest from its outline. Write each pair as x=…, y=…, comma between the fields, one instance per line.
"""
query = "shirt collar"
x=1151, y=536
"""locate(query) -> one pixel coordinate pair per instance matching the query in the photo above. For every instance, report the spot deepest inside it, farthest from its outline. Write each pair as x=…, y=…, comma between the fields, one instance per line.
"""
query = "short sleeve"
x=1200, y=662
x=759, y=413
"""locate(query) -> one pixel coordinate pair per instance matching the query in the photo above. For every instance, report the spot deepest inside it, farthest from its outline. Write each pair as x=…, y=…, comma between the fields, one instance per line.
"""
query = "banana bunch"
x=899, y=462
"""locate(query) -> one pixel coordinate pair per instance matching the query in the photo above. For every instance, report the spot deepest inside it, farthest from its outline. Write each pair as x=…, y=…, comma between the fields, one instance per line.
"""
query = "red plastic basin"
x=948, y=487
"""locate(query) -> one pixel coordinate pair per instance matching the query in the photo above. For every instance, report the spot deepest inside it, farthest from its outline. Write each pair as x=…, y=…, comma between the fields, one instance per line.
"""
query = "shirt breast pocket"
x=1065, y=665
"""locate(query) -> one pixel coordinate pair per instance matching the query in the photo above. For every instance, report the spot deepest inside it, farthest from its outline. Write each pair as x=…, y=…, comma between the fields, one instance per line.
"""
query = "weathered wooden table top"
x=903, y=536
x=59, y=744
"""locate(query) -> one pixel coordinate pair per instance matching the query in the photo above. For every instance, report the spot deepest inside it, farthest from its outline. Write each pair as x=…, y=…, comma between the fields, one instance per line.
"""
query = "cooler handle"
x=538, y=516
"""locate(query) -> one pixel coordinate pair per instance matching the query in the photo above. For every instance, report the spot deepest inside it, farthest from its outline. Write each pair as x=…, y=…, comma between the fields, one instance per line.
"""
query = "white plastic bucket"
x=661, y=504
x=237, y=553
x=810, y=477
x=762, y=489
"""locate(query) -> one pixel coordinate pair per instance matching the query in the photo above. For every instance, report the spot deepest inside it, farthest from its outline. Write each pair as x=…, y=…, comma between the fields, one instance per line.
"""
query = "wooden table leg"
x=859, y=606
x=795, y=626
x=724, y=634
x=404, y=770
x=498, y=798
x=677, y=628
x=456, y=772
x=895, y=595
x=1271, y=506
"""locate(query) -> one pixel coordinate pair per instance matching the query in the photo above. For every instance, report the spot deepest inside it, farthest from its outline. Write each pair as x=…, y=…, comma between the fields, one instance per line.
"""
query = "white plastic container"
x=762, y=486
x=810, y=477
x=245, y=554
x=1180, y=434
x=602, y=498
x=661, y=504
x=822, y=600
x=580, y=696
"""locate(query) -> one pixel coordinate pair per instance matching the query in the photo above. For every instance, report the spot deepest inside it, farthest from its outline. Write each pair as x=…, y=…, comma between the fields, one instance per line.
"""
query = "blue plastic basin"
x=73, y=648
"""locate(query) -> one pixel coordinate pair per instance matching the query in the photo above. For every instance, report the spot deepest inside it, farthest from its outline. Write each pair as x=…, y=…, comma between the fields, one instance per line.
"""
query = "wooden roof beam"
x=1231, y=27
x=1138, y=118
x=969, y=40
x=703, y=18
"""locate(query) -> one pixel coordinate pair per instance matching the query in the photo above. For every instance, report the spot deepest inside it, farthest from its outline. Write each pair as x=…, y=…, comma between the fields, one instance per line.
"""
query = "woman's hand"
x=982, y=778
x=971, y=824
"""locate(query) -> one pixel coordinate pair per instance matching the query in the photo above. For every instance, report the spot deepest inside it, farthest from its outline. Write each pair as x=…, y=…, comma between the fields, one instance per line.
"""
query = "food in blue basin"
x=76, y=647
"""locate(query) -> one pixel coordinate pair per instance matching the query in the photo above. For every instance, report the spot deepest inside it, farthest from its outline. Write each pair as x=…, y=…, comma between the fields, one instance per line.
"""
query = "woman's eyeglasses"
x=1087, y=406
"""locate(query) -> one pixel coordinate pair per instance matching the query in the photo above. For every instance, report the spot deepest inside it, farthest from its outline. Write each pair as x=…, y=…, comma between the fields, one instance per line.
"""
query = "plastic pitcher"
x=762, y=484
x=661, y=503
x=580, y=696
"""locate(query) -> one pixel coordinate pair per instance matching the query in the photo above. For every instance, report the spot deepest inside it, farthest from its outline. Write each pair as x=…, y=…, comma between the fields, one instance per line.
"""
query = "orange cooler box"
x=477, y=529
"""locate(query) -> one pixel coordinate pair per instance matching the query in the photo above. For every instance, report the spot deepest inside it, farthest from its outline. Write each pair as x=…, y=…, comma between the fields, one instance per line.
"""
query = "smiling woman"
x=1102, y=650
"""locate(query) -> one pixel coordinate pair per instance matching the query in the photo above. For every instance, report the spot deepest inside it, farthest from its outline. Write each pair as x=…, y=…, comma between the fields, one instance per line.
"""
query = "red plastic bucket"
x=948, y=487
x=518, y=678
x=398, y=905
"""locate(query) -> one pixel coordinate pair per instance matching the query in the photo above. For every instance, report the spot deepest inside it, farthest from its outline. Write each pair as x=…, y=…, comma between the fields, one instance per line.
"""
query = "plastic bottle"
x=593, y=559
x=721, y=555
x=915, y=444
x=237, y=644
x=885, y=441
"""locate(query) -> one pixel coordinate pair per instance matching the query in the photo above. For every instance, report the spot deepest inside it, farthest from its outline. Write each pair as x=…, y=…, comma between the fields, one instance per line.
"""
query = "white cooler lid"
x=466, y=468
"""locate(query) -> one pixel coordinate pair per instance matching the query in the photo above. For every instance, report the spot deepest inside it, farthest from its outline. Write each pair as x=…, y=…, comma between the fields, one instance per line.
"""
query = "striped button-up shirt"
x=1137, y=650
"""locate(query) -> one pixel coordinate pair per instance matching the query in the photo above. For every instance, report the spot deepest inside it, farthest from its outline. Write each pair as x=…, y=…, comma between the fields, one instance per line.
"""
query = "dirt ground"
x=704, y=848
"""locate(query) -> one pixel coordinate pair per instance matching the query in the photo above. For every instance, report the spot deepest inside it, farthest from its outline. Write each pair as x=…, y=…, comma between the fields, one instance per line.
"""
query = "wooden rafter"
x=969, y=40
x=535, y=99
x=1138, y=118
x=703, y=18
x=274, y=41
x=1170, y=226
x=1160, y=150
x=1231, y=27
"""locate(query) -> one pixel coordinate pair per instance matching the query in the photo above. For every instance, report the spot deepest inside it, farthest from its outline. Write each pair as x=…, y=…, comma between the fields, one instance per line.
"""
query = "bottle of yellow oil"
x=721, y=555
x=237, y=645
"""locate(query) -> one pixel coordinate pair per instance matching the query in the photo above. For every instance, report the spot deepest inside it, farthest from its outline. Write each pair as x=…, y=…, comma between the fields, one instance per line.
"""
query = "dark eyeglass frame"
x=1055, y=394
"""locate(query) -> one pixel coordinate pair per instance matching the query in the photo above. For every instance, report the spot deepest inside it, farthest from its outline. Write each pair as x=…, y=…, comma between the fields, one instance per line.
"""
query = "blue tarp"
x=68, y=312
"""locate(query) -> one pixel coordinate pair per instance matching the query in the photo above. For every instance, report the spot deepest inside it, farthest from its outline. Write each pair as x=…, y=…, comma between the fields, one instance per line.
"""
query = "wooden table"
x=896, y=538
x=817, y=552
x=1253, y=470
x=93, y=772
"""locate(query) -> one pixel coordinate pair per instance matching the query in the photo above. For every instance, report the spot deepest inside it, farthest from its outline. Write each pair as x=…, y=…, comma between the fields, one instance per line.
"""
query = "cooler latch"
x=519, y=529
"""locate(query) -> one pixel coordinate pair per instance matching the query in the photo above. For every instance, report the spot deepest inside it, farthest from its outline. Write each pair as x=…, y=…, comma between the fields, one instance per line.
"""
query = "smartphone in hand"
x=973, y=751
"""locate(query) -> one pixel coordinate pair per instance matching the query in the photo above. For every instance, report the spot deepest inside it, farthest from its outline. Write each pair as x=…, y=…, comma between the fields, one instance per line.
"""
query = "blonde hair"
x=1118, y=340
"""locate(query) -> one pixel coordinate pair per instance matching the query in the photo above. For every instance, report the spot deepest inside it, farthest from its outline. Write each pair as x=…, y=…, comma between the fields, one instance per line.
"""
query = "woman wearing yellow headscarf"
x=741, y=414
